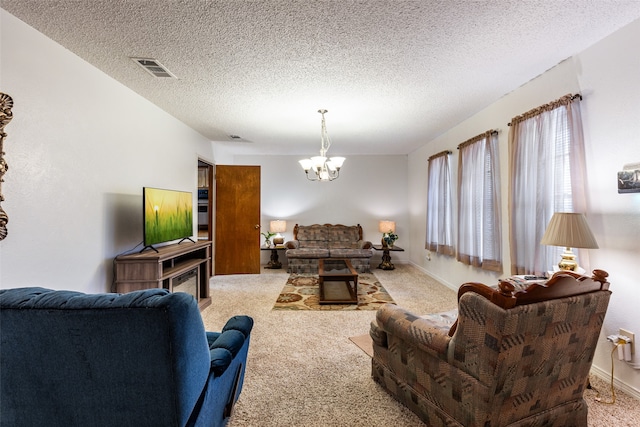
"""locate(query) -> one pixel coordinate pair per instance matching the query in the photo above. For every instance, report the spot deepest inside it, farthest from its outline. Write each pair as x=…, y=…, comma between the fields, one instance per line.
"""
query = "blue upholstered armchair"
x=136, y=359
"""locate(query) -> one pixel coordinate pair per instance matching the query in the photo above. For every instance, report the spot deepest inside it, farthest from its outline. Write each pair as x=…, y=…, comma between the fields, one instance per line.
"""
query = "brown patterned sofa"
x=312, y=242
x=514, y=358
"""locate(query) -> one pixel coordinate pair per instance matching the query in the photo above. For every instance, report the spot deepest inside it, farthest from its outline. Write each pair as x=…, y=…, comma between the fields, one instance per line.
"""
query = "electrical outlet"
x=633, y=339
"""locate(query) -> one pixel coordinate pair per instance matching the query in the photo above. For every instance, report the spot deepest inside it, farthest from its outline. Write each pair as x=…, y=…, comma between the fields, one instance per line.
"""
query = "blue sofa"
x=136, y=359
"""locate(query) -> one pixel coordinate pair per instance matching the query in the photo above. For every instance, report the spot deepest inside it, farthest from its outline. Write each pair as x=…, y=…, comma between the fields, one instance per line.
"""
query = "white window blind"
x=439, y=237
x=479, y=232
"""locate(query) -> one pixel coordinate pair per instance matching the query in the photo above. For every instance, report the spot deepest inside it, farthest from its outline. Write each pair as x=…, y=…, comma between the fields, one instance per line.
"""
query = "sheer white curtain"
x=546, y=161
x=479, y=235
x=439, y=205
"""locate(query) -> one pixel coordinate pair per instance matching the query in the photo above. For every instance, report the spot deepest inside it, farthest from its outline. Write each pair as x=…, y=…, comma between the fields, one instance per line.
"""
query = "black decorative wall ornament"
x=6, y=104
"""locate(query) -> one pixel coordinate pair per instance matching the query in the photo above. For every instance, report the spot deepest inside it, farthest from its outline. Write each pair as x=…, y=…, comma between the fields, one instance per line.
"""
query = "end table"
x=386, y=258
x=274, y=263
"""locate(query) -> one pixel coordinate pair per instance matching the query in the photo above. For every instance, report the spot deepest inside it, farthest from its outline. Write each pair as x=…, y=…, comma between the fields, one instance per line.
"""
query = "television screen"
x=168, y=215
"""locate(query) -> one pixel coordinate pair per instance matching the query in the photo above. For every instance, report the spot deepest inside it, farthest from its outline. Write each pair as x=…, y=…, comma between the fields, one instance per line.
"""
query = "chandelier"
x=319, y=168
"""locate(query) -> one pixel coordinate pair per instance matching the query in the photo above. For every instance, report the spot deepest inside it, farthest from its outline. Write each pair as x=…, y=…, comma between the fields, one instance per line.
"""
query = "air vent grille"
x=154, y=67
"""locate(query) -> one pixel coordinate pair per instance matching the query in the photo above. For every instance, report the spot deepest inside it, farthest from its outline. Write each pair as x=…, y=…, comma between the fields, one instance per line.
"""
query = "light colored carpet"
x=304, y=371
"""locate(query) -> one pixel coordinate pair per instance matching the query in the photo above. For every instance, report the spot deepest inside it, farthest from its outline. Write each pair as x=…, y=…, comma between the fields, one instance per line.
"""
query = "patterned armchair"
x=513, y=358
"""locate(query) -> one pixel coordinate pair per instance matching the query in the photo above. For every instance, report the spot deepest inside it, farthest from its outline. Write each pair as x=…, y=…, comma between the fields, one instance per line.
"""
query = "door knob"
x=257, y=226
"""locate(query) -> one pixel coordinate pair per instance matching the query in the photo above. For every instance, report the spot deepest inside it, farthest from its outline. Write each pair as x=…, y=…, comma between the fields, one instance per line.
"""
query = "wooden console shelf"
x=168, y=268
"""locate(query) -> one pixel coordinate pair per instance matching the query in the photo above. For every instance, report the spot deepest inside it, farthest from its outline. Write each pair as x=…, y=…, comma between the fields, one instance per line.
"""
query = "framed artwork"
x=629, y=179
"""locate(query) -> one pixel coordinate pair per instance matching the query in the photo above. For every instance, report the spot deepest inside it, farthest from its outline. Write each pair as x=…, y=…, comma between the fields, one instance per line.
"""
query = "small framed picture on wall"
x=629, y=179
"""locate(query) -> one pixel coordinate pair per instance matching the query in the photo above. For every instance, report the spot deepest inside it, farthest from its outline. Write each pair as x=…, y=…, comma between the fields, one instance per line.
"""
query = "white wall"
x=80, y=148
x=370, y=188
x=607, y=76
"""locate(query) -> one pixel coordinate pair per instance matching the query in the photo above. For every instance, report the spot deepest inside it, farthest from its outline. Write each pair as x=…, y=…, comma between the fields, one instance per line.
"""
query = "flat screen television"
x=168, y=215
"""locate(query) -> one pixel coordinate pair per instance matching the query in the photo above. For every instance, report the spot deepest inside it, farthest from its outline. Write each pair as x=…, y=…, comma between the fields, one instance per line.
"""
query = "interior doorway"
x=237, y=217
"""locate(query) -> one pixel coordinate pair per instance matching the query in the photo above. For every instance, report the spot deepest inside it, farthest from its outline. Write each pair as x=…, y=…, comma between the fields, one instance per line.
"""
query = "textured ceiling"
x=393, y=74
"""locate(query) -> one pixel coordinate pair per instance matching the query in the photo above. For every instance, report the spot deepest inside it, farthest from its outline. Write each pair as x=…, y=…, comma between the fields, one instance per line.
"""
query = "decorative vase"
x=267, y=243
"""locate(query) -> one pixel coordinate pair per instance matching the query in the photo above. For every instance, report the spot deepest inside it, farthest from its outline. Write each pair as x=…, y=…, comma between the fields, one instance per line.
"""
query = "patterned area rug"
x=301, y=292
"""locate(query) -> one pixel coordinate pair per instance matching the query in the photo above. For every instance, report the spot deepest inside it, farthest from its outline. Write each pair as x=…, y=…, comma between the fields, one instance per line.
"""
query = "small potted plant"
x=267, y=238
x=388, y=239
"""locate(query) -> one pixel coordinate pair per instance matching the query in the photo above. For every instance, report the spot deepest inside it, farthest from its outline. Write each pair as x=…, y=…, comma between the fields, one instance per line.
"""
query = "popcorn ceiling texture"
x=393, y=74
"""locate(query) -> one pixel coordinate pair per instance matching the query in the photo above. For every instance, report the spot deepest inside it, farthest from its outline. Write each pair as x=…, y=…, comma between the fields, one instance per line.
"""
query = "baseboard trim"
x=620, y=385
x=439, y=279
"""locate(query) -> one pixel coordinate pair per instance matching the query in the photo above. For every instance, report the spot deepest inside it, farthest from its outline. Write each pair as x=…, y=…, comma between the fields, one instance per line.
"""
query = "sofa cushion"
x=350, y=253
x=307, y=253
x=343, y=236
x=443, y=321
x=313, y=236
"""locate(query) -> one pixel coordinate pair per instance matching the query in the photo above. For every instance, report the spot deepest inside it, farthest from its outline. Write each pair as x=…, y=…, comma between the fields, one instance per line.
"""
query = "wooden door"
x=237, y=243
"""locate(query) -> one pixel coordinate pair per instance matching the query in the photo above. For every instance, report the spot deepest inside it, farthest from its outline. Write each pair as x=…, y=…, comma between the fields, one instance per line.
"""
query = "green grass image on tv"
x=168, y=215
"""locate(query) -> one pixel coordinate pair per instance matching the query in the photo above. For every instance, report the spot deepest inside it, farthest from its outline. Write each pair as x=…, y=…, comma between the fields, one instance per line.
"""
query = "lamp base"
x=568, y=261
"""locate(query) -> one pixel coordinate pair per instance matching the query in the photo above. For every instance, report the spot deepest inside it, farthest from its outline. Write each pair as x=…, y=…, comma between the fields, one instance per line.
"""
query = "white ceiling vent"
x=153, y=67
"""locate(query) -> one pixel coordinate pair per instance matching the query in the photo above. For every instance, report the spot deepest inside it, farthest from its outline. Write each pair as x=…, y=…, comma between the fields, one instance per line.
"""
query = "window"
x=546, y=160
x=439, y=205
x=479, y=236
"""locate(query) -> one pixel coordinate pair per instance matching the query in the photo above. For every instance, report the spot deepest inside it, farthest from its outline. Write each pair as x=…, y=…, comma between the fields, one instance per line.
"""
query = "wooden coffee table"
x=338, y=281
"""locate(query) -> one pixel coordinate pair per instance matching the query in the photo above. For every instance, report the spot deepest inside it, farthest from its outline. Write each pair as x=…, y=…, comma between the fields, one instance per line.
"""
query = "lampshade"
x=569, y=230
x=386, y=226
x=278, y=226
x=306, y=164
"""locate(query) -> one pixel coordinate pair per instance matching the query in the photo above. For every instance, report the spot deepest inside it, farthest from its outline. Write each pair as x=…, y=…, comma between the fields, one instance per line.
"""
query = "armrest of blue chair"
x=225, y=345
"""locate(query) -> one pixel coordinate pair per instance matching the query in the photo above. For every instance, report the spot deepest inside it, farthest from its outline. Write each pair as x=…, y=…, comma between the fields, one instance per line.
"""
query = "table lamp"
x=571, y=231
x=278, y=226
x=386, y=227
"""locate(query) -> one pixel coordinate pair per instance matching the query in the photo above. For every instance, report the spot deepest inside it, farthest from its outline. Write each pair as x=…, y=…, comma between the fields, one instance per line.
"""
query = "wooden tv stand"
x=165, y=268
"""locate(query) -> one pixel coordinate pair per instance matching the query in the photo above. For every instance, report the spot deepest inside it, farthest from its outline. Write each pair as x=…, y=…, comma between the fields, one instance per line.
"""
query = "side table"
x=274, y=262
x=386, y=258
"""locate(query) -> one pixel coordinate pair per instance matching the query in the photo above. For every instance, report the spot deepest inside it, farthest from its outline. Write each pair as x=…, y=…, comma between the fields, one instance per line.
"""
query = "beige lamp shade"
x=386, y=226
x=569, y=230
x=278, y=226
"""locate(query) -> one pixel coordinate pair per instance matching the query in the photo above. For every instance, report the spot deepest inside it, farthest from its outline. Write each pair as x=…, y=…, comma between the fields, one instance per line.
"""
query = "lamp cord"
x=613, y=391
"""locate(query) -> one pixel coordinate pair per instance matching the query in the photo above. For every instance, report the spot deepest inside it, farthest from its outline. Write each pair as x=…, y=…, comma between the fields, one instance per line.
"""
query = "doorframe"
x=211, y=207
x=239, y=185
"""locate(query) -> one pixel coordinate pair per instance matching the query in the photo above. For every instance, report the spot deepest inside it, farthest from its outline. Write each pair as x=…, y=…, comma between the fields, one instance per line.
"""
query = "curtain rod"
x=478, y=137
x=442, y=153
x=565, y=100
